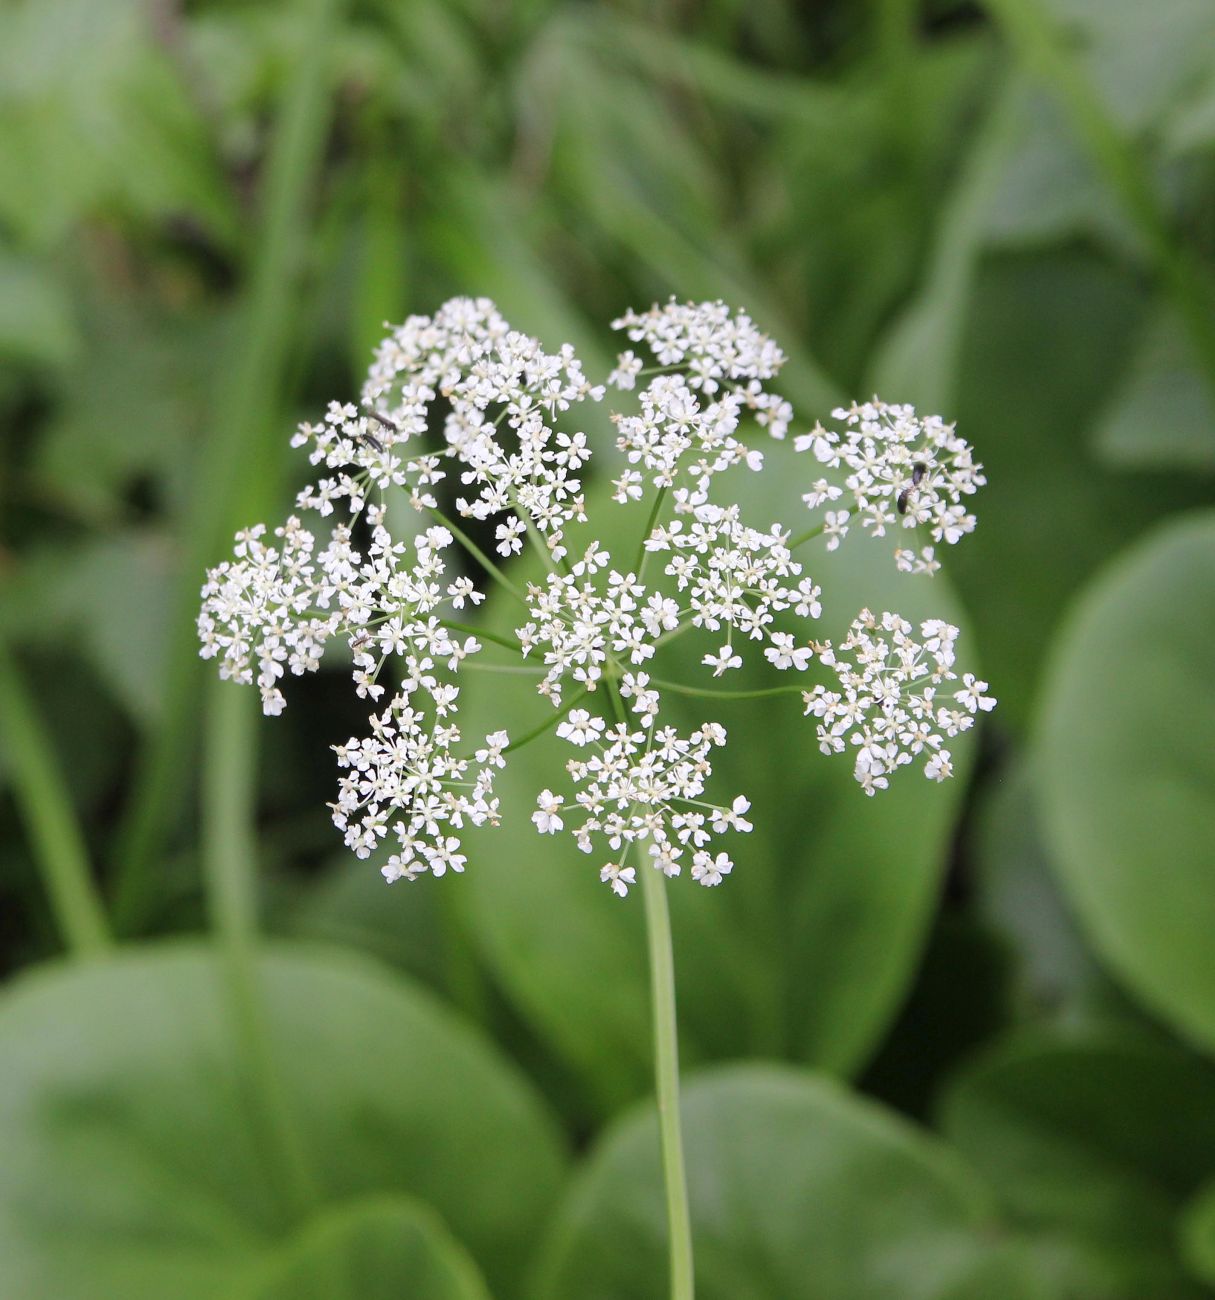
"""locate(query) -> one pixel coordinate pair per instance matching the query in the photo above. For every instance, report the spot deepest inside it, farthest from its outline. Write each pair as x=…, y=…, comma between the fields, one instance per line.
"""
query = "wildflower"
x=460, y=407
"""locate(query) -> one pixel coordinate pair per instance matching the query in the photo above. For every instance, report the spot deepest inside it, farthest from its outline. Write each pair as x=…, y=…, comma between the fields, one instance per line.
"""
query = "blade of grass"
x=244, y=451
x=45, y=807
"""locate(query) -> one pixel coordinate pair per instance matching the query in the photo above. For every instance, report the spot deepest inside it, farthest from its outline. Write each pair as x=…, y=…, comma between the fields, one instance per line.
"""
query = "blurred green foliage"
x=1000, y=211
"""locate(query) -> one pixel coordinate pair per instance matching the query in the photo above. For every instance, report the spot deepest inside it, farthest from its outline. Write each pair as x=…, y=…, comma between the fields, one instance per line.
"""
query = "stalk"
x=666, y=1067
x=51, y=822
x=666, y=1078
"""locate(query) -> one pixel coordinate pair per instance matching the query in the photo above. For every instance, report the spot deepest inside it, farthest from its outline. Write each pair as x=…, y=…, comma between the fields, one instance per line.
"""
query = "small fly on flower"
x=379, y=419
x=917, y=473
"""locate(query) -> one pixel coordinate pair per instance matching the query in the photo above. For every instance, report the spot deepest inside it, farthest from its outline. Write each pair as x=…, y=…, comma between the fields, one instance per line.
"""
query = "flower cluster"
x=726, y=359
x=903, y=471
x=644, y=787
x=405, y=777
x=890, y=705
x=461, y=413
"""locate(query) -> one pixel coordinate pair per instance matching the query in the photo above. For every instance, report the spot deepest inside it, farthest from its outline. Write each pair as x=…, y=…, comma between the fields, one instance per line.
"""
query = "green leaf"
x=381, y=1249
x=808, y=948
x=1092, y=1143
x=798, y=1190
x=1125, y=770
x=1017, y=893
x=36, y=322
x=1161, y=415
x=1046, y=333
x=1141, y=58
x=346, y=905
x=1049, y=190
x=133, y=409
x=118, y=593
x=133, y=1164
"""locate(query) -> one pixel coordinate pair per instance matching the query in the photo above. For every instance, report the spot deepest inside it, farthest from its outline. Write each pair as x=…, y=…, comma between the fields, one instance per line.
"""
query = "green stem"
x=713, y=693
x=246, y=448
x=666, y=1075
x=482, y=633
x=809, y=535
x=548, y=723
x=642, y=554
x=45, y=807
x=666, y=1066
x=478, y=554
x=229, y=782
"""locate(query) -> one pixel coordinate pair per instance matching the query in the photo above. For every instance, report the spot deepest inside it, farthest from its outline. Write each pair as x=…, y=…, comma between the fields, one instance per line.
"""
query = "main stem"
x=666, y=1078
x=666, y=1063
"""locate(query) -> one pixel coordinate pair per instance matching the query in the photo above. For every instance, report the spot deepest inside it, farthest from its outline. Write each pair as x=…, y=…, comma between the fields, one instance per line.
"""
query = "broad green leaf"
x=135, y=1164
x=1048, y=190
x=381, y=1249
x=348, y=905
x=917, y=361
x=1162, y=412
x=1141, y=57
x=1125, y=770
x=809, y=946
x=1046, y=333
x=798, y=1190
x=1192, y=126
x=1093, y=1143
x=1018, y=894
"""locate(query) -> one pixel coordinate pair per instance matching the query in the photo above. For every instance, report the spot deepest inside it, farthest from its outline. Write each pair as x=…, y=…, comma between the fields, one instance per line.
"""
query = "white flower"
x=709, y=870
x=581, y=728
x=510, y=537
x=972, y=697
x=547, y=819
x=620, y=878
x=782, y=653
x=724, y=659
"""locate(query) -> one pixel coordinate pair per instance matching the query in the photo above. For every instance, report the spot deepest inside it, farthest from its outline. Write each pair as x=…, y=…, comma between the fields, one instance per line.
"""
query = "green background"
x=954, y=1042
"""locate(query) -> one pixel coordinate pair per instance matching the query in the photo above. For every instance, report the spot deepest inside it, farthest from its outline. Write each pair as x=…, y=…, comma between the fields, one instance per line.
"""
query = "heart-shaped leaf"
x=1125, y=770
x=135, y=1165
x=798, y=1190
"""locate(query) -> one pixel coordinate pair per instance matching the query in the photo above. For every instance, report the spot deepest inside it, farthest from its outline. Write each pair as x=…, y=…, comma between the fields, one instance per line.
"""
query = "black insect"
x=918, y=470
x=379, y=419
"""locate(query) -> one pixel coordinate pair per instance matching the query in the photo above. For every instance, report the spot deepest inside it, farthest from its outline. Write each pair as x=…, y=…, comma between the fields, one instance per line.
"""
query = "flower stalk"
x=666, y=1080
